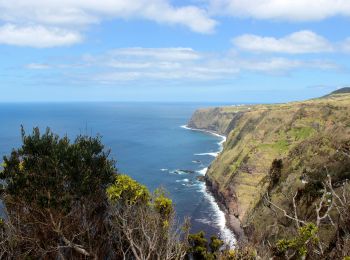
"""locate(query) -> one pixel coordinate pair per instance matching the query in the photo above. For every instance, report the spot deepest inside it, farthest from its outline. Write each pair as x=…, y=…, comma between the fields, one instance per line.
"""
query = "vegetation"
x=65, y=200
x=298, y=245
x=276, y=164
x=275, y=173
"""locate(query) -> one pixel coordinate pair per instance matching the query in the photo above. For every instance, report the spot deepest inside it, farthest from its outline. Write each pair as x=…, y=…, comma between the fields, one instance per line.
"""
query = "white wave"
x=188, y=184
x=219, y=218
x=163, y=170
x=186, y=127
x=203, y=171
x=183, y=180
x=196, y=161
x=203, y=130
x=203, y=220
x=220, y=143
x=177, y=172
x=210, y=154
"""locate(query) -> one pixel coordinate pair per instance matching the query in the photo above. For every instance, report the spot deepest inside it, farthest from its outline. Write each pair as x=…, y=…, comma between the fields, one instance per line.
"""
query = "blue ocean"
x=147, y=141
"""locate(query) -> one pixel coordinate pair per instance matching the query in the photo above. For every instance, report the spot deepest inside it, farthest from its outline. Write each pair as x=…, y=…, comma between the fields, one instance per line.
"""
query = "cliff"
x=305, y=140
x=218, y=119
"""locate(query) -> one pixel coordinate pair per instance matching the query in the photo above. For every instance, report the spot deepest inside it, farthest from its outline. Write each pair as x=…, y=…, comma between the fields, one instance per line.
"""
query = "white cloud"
x=271, y=65
x=38, y=66
x=168, y=64
x=37, y=36
x=157, y=64
x=290, y=10
x=279, y=65
x=295, y=43
x=28, y=18
x=157, y=53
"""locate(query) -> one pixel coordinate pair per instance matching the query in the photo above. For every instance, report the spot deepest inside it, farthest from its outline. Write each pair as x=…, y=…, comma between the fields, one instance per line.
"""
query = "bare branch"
x=298, y=221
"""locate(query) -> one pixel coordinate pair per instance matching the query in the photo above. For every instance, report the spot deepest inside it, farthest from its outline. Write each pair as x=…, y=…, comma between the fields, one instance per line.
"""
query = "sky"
x=258, y=51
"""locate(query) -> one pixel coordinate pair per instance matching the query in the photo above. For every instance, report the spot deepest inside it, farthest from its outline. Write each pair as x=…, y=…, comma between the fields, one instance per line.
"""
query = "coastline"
x=227, y=233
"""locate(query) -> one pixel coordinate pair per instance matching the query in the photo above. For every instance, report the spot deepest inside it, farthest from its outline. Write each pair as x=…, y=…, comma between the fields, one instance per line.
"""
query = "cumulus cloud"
x=290, y=10
x=295, y=43
x=37, y=36
x=25, y=16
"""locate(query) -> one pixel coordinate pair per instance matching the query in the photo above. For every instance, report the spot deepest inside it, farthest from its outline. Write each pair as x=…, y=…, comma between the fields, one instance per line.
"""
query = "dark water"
x=146, y=140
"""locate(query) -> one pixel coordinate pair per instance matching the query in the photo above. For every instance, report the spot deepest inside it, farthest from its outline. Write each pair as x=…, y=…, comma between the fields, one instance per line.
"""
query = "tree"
x=275, y=173
x=65, y=200
x=200, y=249
x=308, y=242
x=144, y=223
x=54, y=195
x=51, y=172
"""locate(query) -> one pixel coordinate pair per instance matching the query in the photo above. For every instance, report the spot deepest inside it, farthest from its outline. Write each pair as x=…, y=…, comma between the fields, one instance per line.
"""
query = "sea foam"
x=203, y=171
x=220, y=219
x=211, y=154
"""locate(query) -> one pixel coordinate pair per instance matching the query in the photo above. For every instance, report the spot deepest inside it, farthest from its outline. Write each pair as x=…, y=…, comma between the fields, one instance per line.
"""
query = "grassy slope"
x=304, y=134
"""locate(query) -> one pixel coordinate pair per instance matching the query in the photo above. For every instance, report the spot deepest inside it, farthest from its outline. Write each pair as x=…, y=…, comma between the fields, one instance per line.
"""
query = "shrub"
x=275, y=173
x=128, y=191
x=64, y=200
x=298, y=246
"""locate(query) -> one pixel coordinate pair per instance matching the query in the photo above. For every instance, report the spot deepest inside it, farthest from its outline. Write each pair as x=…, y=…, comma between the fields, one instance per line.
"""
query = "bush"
x=298, y=246
x=275, y=173
x=200, y=249
x=128, y=191
x=50, y=172
x=65, y=200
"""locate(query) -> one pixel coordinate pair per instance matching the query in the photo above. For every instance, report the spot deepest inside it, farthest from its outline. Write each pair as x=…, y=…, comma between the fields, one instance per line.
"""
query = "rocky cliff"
x=302, y=141
x=218, y=119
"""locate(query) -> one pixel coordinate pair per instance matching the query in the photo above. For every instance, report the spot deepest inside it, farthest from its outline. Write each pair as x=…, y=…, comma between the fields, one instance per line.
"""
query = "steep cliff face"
x=219, y=119
x=303, y=137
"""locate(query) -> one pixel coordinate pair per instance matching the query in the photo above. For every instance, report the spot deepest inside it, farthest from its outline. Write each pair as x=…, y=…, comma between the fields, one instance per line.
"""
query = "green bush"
x=298, y=245
x=50, y=172
x=126, y=190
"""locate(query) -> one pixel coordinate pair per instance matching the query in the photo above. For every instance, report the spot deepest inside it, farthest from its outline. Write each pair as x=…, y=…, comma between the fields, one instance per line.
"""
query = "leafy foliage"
x=215, y=244
x=244, y=253
x=198, y=245
x=298, y=245
x=275, y=173
x=163, y=204
x=128, y=191
x=50, y=172
x=200, y=249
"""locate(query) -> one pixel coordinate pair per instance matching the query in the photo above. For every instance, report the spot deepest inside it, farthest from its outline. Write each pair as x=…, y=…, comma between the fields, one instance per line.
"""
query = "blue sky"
x=163, y=50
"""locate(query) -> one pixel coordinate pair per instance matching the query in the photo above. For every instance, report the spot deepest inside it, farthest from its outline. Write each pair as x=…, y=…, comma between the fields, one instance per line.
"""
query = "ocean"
x=149, y=141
